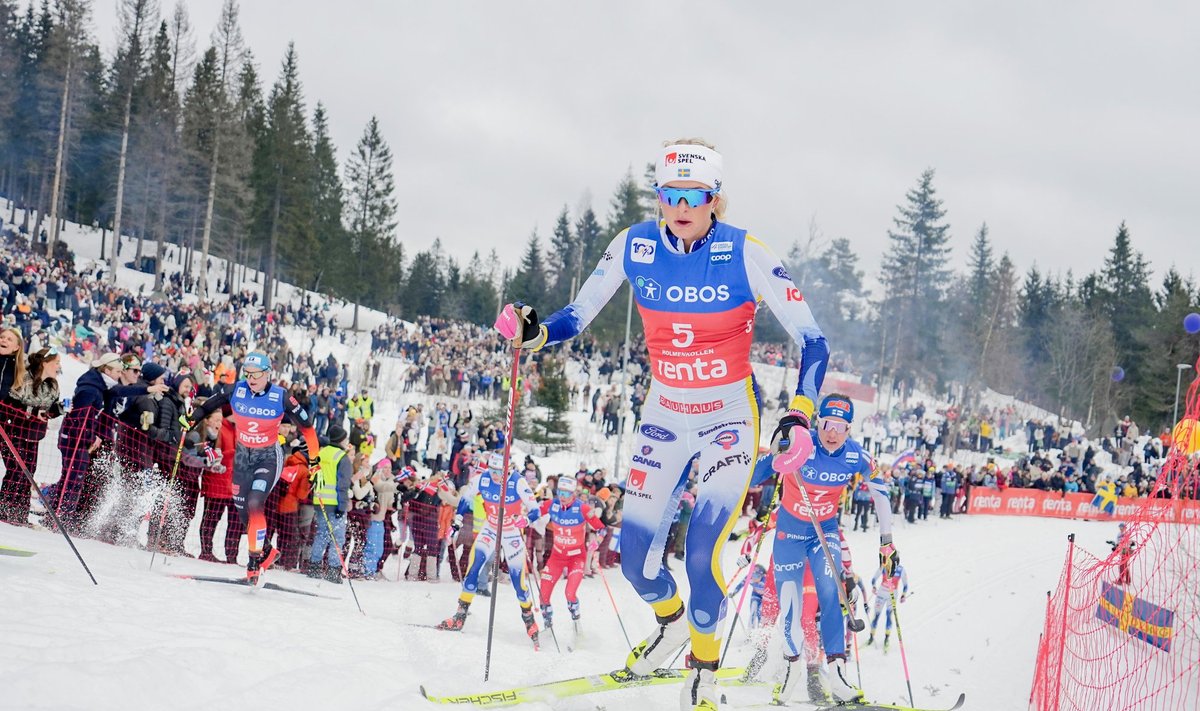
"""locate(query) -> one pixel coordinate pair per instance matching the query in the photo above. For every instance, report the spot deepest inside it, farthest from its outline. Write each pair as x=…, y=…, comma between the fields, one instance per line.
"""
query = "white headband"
x=689, y=162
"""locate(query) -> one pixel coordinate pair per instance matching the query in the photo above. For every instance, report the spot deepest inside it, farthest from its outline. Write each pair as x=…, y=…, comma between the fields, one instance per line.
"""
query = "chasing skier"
x=258, y=407
x=799, y=546
x=698, y=282
x=571, y=518
x=892, y=583
x=502, y=495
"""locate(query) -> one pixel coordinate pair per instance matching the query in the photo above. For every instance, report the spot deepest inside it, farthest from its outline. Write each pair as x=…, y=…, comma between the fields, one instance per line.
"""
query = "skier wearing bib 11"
x=258, y=408
x=698, y=283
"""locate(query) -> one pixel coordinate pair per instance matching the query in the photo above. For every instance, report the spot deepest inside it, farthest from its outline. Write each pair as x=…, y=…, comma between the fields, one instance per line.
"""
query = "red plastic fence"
x=1123, y=631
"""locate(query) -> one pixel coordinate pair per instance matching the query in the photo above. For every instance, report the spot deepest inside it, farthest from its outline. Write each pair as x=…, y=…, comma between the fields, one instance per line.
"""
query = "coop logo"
x=641, y=250
x=658, y=434
x=793, y=294
x=781, y=273
x=649, y=289
x=720, y=258
x=726, y=439
x=692, y=294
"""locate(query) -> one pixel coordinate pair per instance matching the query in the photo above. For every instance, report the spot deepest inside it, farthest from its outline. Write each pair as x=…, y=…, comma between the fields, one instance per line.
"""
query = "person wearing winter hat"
x=331, y=501
x=572, y=517
x=258, y=407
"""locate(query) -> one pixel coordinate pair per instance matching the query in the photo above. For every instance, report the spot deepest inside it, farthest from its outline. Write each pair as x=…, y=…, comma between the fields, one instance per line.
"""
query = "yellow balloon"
x=1186, y=436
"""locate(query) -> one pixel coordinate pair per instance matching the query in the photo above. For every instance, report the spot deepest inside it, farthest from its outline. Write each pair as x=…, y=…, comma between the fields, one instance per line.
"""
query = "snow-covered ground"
x=145, y=640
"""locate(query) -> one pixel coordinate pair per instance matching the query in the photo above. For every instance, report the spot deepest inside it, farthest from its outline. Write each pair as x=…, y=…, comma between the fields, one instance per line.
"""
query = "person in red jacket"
x=571, y=518
x=217, y=487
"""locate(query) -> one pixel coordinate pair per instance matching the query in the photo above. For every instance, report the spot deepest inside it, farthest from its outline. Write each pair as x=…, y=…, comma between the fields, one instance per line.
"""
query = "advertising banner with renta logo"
x=1035, y=502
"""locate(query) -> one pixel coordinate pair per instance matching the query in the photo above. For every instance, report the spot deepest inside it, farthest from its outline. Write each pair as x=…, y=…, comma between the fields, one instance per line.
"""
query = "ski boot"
x=270, y=554
x=531, y=627
x=700, y=688
x=886, y=639
x=782, y=692
x=871, y=639
x=573, y=608
x=547, y=616
x=334, y=575
x=455, y=623
x=254, y=569
x=651, y=652
x=816, y=691
x=838, y=679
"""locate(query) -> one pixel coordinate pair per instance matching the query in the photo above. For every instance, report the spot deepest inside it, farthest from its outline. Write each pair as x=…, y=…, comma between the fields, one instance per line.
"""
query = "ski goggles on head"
x=693, y=196
x=835, y=426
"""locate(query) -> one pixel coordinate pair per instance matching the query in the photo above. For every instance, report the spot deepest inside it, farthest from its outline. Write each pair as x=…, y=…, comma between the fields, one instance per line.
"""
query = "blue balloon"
x=1118, y=374
x=1191, y=323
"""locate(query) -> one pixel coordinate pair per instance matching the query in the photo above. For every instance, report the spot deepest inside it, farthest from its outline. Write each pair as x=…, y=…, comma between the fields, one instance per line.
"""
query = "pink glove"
x=522, y=523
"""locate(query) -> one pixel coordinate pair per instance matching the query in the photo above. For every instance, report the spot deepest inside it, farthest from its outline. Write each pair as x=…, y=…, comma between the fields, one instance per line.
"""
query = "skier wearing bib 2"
x=835, y=460
x=697, y=282
x=258, y=408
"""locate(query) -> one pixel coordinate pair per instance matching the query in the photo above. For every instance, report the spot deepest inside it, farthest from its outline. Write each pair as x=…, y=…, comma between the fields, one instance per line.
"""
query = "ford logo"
x=657, y=433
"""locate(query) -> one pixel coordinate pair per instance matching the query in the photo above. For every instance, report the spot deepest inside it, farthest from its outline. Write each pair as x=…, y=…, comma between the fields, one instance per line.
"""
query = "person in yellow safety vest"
x=360, y=406
x=331, y=500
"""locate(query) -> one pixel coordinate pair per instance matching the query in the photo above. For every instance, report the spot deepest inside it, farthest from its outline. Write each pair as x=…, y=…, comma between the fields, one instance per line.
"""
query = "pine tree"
x=371, y=209
x=283, y=212
x=530, y=283
x=915, y=278
x=68, y=41
x=337, y=263
x=566, y=261
x=137, y=18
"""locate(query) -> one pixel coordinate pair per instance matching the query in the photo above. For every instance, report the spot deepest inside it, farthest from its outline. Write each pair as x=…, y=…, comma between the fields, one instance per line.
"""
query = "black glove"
x=782, y=437
x=851, y=589
x=314, y=461
x=888, y=557
x=763, y=515
x=533, y=335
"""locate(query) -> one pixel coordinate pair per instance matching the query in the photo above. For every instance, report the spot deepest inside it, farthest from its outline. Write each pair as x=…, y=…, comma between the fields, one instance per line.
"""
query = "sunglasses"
x=693, y=196
x=835, y=426
x=253, y=373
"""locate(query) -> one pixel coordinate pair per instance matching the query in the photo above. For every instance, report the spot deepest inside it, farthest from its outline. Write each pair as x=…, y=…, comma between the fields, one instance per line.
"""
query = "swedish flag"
x=1106, y=497
x=1143, y=620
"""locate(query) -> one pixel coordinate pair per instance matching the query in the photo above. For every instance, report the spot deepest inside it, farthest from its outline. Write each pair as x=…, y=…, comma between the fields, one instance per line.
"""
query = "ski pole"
x=900, y=641
x=49, y=509
x=762, y=536
x=613, y=600
x=537, y=585
x=513, y=393
x=338, y=549
x=852, y=622
x=162, y=520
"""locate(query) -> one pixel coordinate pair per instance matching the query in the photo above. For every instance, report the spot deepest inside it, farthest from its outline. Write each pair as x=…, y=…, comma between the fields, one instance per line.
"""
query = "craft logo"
x=660, y=434
x=637, y=479
x=726, y=439
x=649, y=288
x=641, y=250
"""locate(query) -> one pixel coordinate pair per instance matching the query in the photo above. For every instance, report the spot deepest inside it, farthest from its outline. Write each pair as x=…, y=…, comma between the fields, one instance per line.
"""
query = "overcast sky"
x=1051, y=122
